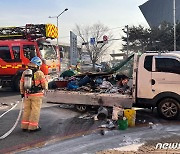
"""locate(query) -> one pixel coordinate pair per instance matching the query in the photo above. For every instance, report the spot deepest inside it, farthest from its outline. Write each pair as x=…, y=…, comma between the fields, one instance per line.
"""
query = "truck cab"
x=157, y=82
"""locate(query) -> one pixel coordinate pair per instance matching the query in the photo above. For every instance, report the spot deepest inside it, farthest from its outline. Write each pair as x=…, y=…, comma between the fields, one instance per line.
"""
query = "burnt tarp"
x=121, y=64
x=110, y=72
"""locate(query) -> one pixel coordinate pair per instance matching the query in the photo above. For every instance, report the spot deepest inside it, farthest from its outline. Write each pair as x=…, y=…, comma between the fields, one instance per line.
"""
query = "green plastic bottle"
x=123, y=124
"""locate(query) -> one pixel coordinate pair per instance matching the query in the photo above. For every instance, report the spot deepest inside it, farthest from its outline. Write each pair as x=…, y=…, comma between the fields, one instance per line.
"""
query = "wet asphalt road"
x=58, y=124
x=92, y=143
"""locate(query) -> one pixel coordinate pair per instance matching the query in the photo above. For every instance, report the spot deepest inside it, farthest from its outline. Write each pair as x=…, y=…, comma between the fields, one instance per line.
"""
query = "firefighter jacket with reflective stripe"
x=39, y=80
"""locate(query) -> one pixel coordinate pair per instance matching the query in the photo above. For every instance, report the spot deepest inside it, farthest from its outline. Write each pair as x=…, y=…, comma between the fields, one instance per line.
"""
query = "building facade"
x=159, y=11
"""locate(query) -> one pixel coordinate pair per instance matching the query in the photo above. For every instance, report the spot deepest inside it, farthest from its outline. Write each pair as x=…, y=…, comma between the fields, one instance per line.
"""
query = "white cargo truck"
x=156, y=83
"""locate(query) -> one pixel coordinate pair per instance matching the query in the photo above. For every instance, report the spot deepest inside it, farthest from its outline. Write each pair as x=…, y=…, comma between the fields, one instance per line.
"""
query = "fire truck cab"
x=18, y=45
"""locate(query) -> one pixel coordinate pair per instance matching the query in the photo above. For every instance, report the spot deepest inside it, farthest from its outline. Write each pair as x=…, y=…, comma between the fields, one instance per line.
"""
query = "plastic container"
x=116, y=112
x=122, y=124
x=130, y=114
x=102, y=113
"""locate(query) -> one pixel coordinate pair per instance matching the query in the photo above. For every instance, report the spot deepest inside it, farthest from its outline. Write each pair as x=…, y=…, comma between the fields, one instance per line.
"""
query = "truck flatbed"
x=87, y=98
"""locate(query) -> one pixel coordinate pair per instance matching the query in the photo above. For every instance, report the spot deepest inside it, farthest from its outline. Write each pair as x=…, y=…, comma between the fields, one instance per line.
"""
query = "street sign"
x=92, y=41
x=105, y=38
x=73, y=49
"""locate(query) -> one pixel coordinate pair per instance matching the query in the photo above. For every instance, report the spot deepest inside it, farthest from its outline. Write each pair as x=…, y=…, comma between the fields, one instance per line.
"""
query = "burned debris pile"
x=100, y=82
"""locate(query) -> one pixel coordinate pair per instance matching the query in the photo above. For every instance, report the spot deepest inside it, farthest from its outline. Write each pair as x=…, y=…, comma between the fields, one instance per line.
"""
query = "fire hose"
x=17, y=120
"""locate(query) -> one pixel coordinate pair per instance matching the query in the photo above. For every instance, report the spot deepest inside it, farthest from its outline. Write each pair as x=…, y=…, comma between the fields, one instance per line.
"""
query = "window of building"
x=148, y=63
x=29, y=51
x=16, y=52
x=5, y=53
x=167, y=65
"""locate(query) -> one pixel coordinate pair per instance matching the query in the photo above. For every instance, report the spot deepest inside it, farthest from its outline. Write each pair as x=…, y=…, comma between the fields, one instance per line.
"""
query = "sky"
x=114, y=14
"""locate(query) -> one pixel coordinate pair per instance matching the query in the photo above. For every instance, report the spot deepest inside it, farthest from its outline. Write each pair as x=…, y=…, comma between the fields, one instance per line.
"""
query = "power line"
x=99, y=31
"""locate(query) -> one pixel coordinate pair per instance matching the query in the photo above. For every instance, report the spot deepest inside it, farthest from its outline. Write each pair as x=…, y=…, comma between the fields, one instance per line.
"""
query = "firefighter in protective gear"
x=77, y=68
x=33, y=96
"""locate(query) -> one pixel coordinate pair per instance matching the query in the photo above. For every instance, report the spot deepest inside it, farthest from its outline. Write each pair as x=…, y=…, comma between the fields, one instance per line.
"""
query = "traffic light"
x=100, y=41
x=84, y=43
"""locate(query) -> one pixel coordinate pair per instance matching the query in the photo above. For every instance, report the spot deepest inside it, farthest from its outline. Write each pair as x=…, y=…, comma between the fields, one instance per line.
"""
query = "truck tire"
x=81, y=108
x=168, y=108
x=16, y=83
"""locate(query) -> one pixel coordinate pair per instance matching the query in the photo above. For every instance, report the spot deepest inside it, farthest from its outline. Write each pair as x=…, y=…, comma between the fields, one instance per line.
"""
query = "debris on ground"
x=109, y=124
x=129, y=149
x=86, y=116
x=117, y=112
x=148, y=147
x=151, y=125
x=5, y=105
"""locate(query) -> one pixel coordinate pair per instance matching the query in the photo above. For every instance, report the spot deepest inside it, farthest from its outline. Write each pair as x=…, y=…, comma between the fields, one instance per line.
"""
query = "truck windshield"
x=47, y=52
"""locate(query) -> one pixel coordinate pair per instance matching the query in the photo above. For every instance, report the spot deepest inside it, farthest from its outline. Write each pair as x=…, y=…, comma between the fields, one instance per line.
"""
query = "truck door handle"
x=153, y=82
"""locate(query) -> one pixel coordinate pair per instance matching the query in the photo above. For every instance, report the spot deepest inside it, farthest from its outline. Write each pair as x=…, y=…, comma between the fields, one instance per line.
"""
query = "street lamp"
x=58, y=18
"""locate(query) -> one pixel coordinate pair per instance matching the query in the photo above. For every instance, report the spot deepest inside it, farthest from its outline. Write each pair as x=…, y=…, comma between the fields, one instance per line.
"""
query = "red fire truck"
x=18, y=45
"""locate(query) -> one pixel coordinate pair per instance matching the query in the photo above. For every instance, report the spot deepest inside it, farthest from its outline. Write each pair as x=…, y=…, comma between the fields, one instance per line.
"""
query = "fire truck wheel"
x=169, y=108
x=16, y=83
x=81, y=108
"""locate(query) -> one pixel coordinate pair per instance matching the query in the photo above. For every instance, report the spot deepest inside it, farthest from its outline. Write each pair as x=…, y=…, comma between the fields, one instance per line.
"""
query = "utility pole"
x=127, y=40
x=174, y=17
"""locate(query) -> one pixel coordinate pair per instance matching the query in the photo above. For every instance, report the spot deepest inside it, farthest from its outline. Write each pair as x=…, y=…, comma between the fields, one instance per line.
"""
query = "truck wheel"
x=81, y=108
x=169, y=108
x=16, y=83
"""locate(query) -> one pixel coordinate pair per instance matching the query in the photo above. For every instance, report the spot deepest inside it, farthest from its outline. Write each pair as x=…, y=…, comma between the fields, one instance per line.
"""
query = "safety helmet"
x=36, y=60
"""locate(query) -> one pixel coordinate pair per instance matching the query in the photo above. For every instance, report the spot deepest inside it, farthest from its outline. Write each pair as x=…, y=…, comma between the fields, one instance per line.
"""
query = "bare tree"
x=99, y=47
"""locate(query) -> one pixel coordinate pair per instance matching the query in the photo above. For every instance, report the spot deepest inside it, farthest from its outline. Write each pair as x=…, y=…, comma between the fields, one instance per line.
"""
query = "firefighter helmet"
x=37, y=61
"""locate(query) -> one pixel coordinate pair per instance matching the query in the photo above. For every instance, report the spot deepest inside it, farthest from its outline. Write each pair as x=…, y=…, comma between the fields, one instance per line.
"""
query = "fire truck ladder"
x=30, y=31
